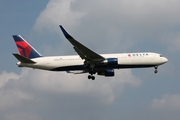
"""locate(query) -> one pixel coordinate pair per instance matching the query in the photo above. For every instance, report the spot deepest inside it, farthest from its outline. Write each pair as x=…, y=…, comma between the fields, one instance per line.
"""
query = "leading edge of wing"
x=83, y=51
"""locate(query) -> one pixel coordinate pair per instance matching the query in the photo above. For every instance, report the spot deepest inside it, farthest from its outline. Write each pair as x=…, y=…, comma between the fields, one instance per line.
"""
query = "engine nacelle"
x=107, y=72
x=111, y=61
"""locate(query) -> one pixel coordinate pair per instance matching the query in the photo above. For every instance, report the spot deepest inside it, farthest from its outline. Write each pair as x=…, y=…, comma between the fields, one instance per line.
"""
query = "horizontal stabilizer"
x=23, y=59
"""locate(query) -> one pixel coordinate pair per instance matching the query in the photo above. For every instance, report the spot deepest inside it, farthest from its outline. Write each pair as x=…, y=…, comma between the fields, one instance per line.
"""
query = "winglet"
x=66, y=34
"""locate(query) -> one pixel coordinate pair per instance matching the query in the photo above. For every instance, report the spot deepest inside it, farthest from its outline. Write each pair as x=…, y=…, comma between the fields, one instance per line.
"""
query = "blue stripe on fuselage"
x=75, y=67
x=81, y=67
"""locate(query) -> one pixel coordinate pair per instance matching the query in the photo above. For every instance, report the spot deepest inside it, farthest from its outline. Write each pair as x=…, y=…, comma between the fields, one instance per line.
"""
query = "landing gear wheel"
x=155, y=71
x=91, y=77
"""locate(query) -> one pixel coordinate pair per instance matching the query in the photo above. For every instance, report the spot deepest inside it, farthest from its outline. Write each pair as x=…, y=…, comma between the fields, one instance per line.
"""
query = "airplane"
x=87, y=61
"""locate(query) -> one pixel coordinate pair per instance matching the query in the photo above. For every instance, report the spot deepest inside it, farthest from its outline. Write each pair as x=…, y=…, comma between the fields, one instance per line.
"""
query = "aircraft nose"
x=165, y=60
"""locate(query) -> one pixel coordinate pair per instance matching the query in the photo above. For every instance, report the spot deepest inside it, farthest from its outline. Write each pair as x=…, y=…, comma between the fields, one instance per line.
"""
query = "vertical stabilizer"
x=24, y=48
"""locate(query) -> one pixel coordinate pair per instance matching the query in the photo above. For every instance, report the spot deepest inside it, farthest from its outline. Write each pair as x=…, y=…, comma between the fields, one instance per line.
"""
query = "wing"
x=83, y=51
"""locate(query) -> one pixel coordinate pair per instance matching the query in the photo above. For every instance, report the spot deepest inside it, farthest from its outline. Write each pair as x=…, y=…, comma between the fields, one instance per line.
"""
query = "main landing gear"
x=156, y=71
x=91, y=77
x=91, y=74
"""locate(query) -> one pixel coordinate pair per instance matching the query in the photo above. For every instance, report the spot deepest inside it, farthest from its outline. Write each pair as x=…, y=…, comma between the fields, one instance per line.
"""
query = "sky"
x=105, y=26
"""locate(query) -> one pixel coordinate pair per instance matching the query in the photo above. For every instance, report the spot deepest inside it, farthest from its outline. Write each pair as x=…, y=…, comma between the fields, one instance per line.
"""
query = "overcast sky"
x=105, y=26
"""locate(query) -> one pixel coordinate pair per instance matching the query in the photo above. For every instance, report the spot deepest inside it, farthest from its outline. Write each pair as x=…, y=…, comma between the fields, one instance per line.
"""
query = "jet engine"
x=111, y=61
x=107, y=72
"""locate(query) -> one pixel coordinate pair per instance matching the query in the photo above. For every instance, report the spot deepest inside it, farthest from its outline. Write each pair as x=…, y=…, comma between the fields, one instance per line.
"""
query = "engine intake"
x=107, y=72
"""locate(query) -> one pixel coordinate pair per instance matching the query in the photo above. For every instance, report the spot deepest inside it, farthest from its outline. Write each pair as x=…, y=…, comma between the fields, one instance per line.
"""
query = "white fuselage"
x=74, y=62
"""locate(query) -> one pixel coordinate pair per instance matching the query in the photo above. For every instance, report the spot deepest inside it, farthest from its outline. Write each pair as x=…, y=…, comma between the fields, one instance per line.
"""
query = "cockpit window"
x=160, y=55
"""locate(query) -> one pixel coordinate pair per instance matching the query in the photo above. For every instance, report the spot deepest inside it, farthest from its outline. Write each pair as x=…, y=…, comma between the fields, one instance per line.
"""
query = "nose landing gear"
x=156, y=71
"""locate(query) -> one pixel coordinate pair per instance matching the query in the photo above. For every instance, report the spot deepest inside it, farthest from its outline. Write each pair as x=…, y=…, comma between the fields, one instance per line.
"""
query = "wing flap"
x=76, y=72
